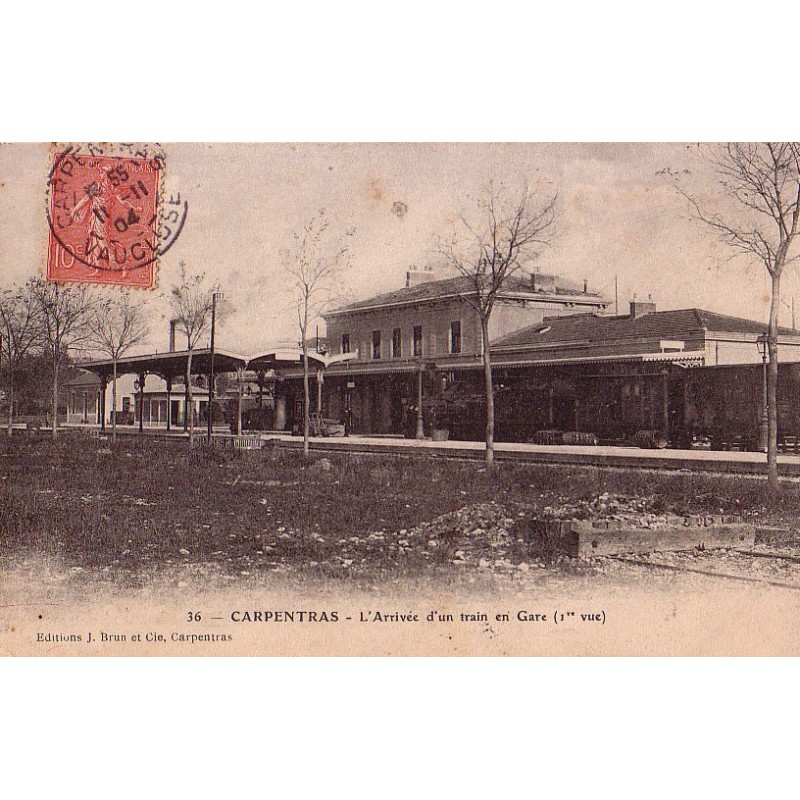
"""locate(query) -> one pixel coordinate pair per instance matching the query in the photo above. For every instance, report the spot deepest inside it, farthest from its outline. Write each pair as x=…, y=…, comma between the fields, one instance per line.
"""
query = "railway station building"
x=562, y=366
x=426, y=332
x=151, y=391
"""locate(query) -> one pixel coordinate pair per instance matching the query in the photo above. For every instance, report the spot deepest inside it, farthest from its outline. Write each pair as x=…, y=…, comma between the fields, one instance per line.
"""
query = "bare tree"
x=115, y=327
x=314, y=262
x=64, y=312
x=763, y=181
x=191, y=301
x=489, y=248
x=20, y=331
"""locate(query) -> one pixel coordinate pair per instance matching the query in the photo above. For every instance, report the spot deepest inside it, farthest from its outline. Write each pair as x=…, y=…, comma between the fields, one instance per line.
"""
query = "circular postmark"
x=108, y=215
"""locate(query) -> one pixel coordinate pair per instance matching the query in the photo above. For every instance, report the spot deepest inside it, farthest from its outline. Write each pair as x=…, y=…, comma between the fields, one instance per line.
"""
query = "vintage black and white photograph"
x=399, y=399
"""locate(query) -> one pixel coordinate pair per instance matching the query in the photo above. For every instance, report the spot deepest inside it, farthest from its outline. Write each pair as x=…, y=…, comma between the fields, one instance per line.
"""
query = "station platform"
x=715, y=461
x=712, y=461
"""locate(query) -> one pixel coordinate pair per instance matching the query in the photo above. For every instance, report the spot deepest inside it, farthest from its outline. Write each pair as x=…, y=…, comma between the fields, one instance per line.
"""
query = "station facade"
x=424, y=332
x=562, y=364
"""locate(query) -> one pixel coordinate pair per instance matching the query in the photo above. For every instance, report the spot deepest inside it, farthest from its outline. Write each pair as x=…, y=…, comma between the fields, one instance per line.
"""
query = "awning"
x=173, y=365
x=391, y=367
x=684, y=359
x=168, y=365
x=290, y=357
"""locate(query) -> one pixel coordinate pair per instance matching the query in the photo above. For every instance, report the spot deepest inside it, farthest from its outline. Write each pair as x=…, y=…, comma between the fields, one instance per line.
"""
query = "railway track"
x=763, y=580
x=715, y=463
x=729, y=464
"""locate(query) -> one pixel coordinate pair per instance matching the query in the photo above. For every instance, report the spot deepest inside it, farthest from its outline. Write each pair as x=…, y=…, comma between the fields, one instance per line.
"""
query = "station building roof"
x=680, y=324
x=556, y=289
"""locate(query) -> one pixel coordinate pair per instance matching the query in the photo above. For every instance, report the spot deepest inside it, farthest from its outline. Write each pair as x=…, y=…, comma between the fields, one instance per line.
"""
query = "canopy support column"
x=239, y=375
x=169, y=403
x=420, y=432
x=103, y=385
x=320, y=381
x=142, y=377
x=279, y=421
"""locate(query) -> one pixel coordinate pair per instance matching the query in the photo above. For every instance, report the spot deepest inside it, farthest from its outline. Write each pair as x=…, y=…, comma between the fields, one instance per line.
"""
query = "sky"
x=617, y=217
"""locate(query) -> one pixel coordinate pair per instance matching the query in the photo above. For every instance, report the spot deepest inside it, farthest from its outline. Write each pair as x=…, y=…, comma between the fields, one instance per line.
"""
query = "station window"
x=455, y=337
x=376, y=344
x=345, y=342
x=417, y=340
x=397, y=343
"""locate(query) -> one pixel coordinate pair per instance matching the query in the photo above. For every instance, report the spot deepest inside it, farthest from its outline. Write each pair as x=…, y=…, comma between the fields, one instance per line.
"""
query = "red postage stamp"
x=103, y=212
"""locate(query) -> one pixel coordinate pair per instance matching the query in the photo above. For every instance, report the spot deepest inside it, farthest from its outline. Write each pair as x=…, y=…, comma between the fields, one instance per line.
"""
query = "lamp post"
x=420, y=434
x=763, y=348
x=348, y=406
x=139, y=386
x=320, y=381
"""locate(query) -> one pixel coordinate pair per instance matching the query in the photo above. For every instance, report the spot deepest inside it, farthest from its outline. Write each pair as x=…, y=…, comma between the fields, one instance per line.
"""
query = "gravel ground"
x=140, y=516
x=482, y=546
x=725, y=562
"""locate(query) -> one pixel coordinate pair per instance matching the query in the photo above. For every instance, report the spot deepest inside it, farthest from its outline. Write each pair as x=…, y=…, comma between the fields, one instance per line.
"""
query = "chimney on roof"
x=542, y=283
x=414, y=277
x=172, y=325
x=585, y=286
x=640, y=308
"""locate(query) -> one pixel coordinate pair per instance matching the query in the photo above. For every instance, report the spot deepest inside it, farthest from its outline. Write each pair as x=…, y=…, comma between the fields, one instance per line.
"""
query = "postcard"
x=399, y=399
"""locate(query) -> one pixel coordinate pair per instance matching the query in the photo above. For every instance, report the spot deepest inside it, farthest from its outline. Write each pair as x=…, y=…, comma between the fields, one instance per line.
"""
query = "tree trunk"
x=306, y=398
x=114, y=404
x=239, y=374
x=10, y=400
x=185, y=403
x=54, y=409
x=189, y=399
x=772, y=382
x=489, y=387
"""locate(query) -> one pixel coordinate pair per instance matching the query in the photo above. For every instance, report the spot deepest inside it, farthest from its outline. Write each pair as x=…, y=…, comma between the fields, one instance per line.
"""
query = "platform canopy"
x=169, y=365
x=292, y=357
x=173, y=365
